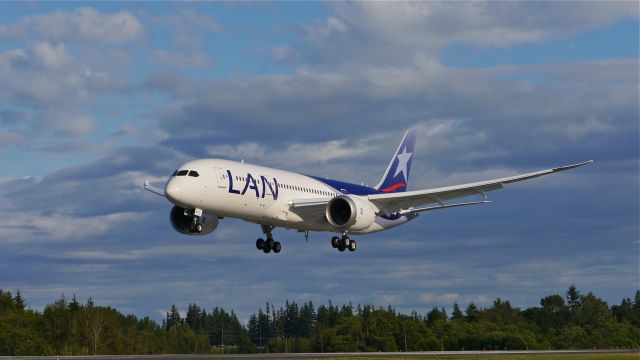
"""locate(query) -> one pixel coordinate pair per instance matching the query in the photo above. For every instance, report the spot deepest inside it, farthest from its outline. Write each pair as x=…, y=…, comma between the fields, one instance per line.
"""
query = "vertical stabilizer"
x=396, y=178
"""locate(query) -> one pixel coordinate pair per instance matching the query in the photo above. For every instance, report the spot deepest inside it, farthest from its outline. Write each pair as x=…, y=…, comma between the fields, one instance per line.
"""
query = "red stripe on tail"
x=393, y=187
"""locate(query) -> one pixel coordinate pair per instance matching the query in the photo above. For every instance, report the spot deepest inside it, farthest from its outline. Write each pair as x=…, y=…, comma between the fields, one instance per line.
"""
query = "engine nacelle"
x=348, y=212
x=182, y=222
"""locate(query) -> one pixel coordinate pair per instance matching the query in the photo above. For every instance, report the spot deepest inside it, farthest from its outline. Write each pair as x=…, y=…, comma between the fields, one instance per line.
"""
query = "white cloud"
x=12, y=58
x=372, y=32
x=439, y=298
x=90, y=255
x=195, y=60
x=84, y=23
x=62, y=227
x=197, y=21
x=294, y=154
x=285, y=55
x=51, y=56
x=77, y=125
x=327, y=27
x=189, y=27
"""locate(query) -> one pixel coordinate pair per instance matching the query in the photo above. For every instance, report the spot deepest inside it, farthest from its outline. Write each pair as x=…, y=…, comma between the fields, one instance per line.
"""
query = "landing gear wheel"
x=269, y=244
x=346, y=241
x=266, y=250
x=334, y=242
x=260, y=244
x=277, y=247
x=352, y=246
x=198, y=228
x=341, y=247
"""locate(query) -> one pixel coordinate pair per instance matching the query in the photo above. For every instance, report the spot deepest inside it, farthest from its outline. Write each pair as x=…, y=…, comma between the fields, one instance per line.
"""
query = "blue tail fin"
x=396, y=178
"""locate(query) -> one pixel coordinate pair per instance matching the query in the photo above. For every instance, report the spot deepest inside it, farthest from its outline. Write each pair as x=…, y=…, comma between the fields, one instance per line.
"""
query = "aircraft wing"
x=407, y=202
x=153, y=189
x=310, y=209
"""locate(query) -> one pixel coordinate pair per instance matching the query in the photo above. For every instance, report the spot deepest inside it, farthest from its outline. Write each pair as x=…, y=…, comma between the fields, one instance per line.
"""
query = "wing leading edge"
x=406, y=202
x=147, y=186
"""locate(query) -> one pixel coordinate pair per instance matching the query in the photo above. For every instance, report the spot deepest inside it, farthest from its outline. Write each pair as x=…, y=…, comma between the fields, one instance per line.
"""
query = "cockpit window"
x=193, y=173
x=174, y=173
x=182, y=172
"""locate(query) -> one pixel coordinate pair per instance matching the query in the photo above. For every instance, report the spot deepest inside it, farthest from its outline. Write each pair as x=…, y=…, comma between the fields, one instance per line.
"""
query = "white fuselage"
x=258, y=194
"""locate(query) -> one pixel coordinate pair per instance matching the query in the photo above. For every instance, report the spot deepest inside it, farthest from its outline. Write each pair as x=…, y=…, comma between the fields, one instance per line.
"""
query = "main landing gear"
x=343, y=243
x=268, y=245
x=196, y=214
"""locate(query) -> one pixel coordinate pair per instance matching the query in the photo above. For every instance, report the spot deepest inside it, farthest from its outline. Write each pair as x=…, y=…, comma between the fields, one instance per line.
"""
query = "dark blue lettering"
x=275, y=194
x=231, y=189
x=266, y=183
x=251, y=184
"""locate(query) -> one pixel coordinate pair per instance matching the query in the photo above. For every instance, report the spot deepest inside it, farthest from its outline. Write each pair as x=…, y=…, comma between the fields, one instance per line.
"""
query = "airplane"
x=204, y=191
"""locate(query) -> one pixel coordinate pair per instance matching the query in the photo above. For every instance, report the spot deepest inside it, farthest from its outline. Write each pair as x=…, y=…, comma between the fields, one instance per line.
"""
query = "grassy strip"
x=603, y=356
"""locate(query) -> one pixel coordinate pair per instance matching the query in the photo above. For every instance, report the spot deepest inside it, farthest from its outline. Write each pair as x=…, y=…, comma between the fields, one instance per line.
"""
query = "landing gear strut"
x=268, y=245
x=343, y=243
x=196, y=214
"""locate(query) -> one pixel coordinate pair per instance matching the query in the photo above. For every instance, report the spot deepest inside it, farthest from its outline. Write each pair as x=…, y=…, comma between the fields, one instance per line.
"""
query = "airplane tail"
x=396, y=178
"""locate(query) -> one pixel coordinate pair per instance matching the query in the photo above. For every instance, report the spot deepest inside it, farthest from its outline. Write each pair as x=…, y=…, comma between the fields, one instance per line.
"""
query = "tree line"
x=569, y=321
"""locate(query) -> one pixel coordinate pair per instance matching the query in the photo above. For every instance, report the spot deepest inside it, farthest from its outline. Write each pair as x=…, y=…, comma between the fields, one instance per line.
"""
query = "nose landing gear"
x=196, y=214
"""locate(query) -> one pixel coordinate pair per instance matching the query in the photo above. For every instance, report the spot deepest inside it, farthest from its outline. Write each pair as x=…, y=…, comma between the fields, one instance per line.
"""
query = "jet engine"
x=182, y=222
x=349, y=212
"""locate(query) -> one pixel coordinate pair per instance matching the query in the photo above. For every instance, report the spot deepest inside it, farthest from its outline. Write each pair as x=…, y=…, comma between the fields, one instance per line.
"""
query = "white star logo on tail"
x=403, y=160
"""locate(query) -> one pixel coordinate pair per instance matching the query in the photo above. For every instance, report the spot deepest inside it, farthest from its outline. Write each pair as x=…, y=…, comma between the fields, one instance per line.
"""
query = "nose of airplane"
x=173, y=190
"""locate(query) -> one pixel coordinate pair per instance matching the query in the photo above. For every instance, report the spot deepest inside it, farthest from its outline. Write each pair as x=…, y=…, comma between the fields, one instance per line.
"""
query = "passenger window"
x=193, y=173
x=182, y=172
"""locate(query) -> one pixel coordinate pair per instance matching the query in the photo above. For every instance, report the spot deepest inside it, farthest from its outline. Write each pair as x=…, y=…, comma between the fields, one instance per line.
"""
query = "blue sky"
x=98, y=97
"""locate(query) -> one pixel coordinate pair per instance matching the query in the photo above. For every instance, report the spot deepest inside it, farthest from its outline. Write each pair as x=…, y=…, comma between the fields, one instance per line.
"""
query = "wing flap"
x=440, y=207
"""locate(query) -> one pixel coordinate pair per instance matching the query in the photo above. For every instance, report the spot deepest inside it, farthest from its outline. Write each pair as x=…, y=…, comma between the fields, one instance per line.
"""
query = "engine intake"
x=181, y=222
x=349, y=212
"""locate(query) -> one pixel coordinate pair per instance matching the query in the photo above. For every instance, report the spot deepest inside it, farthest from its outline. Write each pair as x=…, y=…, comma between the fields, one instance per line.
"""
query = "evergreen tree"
x=573, y=297
x=553, y=315
x=56, y=328
x=173, y=317
x=19, y=301
x=471, y=312
x=69, y=328
x=624, y=311
x=436, y=316
x=6, y=302
x=636, y=309
x=193, y=317
x=456, y=315
x=74, y=305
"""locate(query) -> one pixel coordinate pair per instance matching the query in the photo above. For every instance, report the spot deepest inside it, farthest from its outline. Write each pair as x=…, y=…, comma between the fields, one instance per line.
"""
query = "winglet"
x=147, y=186
x=573, y=166
x=396, y=177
